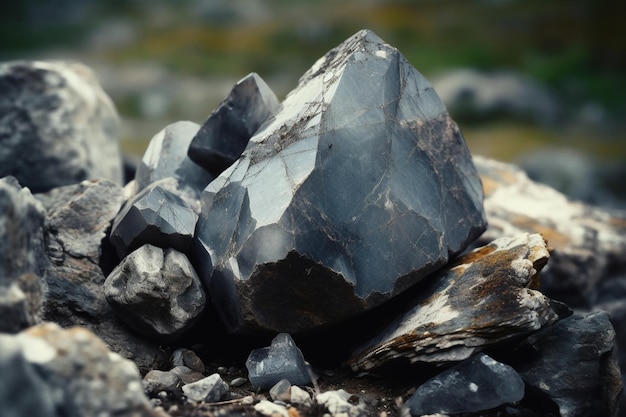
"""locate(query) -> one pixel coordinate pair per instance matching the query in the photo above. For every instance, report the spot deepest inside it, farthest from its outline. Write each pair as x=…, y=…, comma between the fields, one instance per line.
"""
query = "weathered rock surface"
x=156, y=292
x=58, y=126
x=154, y=216
x=281, y=360
x=22, y=260
x=589, y=242
x=77, y=219
x=487, y=296
x=225, y=134
x=573, y=363
x=166, y=156
x=360, y=182
x=107, y=384
x=476, y=384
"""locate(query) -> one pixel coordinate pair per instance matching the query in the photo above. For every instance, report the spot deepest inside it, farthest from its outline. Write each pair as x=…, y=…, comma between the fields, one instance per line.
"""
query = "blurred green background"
x=163, y=61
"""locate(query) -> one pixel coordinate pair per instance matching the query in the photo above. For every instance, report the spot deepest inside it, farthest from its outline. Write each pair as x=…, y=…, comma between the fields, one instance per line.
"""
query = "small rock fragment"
x=268, y=408
x=476, y=384
x=281, y=391
x=209, y=389
x=299, y=396
x=237, y=382
x=155, y=216
x=338, y=404
x=281, y=360
x=225, y=134
x=186, y=375
x=156, y=381
x=485, y=297
x=156, y=292
x=188, y=358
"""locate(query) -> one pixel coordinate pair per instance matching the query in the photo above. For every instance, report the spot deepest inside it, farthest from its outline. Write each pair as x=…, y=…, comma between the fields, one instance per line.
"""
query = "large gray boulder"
x=358, y=187
x=58, y=126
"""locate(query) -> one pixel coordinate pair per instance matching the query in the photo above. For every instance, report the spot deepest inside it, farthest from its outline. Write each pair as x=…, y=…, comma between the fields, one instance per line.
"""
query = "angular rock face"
x=156, y=292
x=360, y=182
x=166, y=156
x=59, y=126
x=225, y=134
x=281, y=360
x=22, y=260
x=573, y=363
x=484, y=298
x=477, y=384
x=154, y=216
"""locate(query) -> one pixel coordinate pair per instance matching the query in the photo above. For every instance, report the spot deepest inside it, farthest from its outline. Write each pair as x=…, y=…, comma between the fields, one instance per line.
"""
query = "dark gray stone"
x=485, y=297
x=357, y=188
x=225, y=134
x=154, y=216
x=156, y=292
x=156, y=381
x=476, y=384
x=78, y=217
x=58, y=126
x=187, y=357
x=281, y=360
x=166, y=156
x=573, y=363
x=23, y=392
x=22, y=257
x=209, y=389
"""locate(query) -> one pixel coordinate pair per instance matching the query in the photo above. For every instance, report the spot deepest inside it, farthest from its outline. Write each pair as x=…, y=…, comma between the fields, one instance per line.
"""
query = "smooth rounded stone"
x=156, y=381
x=226, y=132
x=281, y=360
x=59, y=126
x=154, y=216
x=166, y=156
x=22, y=257
x=476, y=95
x=187, y=357
x=484, y=297
x=476, y=384
x=268, y=408
x=156, y=292
x=23, y=392
x=573, y=363
x=83, y=376
x=238, y=382
x=299, y=396
x=337, y=200
x=281, y=391
x=209, y=389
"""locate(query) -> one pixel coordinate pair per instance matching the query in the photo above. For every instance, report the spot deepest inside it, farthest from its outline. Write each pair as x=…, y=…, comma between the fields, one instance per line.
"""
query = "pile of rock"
x=347, y=220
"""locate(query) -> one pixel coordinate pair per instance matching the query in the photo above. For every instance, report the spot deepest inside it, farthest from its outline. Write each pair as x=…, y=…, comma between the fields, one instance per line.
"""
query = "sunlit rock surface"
x=281, y=360
x=58, y=126
x=573, y=363
x=156, y=292
x=486, y=296
x=166, y=156
x=225, y=134
x=358, y=187
x=154, y=216
x=476, y=384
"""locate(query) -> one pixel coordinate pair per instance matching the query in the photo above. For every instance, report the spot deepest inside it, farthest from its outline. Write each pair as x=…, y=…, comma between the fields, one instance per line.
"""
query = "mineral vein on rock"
x=484, y=298
x=357, y=187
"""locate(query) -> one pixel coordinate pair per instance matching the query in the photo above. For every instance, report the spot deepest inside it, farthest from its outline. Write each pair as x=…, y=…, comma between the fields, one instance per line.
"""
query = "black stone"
x=155, y=216
x=358, y=187
x=225, y=134
x=476, y=384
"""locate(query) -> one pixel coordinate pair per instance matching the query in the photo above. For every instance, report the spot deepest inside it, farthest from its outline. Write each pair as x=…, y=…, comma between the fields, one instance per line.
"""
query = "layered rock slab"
x=358, y=187
x=486, y=297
